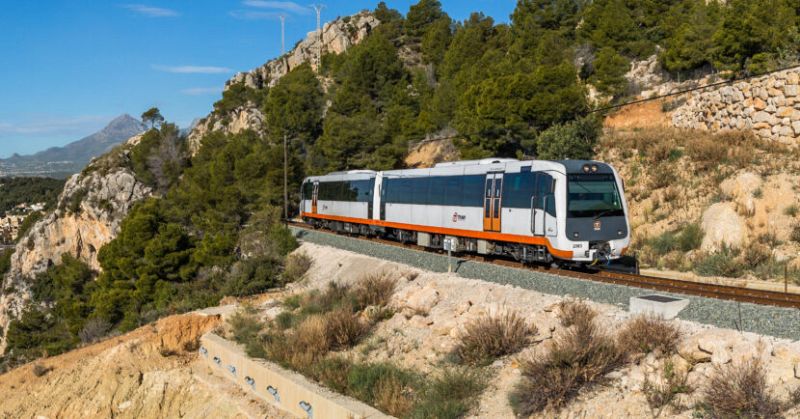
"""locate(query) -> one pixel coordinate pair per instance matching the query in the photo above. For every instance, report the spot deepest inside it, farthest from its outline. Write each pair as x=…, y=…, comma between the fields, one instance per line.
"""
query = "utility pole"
x=285, y=179
x=318, y=8
x=283, y=34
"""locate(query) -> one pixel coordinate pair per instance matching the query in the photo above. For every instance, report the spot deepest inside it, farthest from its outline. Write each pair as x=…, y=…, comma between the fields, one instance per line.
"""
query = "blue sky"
x=70, y=66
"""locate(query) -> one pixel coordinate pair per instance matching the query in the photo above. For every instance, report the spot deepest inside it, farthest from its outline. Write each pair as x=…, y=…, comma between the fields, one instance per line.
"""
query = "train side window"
x=436, y=190
x=473, y=191
x=544, y=185
x=518, y=189
x=453, y=190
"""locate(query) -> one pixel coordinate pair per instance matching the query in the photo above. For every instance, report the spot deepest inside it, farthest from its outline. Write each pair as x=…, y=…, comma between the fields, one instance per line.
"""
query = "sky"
x=67, y=67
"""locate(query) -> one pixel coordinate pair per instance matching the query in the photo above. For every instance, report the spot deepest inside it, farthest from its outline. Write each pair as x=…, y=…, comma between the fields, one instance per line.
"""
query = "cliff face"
x=337, y=36
x=89, y=213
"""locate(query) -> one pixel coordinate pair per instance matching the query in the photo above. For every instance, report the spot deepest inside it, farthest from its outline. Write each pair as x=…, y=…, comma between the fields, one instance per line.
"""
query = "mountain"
x=73, y=157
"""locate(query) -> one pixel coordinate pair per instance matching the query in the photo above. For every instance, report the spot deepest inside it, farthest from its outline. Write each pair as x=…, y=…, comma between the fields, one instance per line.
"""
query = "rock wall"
x=768, y=105
x=89, y=213
x=337, y=36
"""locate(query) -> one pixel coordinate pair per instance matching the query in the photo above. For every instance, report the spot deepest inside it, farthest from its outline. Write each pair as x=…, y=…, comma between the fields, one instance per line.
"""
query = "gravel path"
x=772, y=321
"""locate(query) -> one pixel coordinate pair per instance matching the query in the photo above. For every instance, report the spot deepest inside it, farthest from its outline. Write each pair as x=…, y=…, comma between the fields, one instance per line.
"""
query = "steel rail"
x=677, y=286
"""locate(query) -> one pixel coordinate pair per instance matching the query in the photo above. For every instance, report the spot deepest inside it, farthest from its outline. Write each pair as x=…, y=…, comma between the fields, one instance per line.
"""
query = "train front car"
x=594, y=213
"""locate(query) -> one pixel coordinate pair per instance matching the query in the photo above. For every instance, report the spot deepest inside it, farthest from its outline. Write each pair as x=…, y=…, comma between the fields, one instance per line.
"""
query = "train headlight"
x=575, y=235
x=594, y=168
x=619, y=232
x=586, y=168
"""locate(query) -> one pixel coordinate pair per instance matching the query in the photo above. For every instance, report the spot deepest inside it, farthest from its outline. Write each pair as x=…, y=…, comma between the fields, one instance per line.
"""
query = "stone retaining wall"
x=287, y=390
x=768, y=105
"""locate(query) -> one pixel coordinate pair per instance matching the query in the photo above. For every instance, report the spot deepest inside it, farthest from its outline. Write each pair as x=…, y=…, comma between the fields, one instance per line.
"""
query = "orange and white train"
x=570, y=212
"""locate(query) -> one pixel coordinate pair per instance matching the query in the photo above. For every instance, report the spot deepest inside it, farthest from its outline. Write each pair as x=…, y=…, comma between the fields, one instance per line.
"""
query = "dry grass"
x=741, y=391
x=374, y=290
x=297, y=264
x=575, y=312
x=343, y=328
x=647, y=333
x=577, y=359
x=491, y=337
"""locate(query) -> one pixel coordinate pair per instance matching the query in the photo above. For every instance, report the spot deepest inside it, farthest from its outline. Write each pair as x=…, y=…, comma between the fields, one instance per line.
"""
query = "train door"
x=314, y=195
x=492, y=201
x=542, y=203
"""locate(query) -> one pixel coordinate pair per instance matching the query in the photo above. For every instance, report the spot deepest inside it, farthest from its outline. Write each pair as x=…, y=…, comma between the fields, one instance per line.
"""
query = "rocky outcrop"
x=722, y=227
x=89, y=213
x=337, y=36
x=768, y=105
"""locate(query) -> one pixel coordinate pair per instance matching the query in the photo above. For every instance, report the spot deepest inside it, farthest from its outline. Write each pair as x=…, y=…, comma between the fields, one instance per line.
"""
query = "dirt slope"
x=151, y=372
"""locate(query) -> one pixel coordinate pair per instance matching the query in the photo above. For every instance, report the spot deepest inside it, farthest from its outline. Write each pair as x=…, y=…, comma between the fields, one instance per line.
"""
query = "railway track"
x=677, y=286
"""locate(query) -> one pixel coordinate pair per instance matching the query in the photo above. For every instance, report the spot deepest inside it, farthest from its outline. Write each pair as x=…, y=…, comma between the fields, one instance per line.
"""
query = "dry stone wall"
x=768, y=105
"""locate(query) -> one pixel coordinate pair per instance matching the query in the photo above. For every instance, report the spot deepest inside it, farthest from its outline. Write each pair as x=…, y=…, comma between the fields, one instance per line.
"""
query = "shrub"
x=572, y=140
x=374, y=290
x=297, y=264
x=451, y=394
x=740, y=390
x=791, y=210
x=577, y=359
x=688, y=238
x=575, y=312
x=645, y=334
x=246, y=329
x=40, y=370
x=333, y=373
x=316, y=302
x=720, y=263
x=491, y=337
x=343, y=328
x=384, y=386
x=94, y=329
x=795, y=236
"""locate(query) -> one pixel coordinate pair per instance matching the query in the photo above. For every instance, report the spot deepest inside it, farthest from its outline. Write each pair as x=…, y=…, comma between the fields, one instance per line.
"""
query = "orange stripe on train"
x=486, y=235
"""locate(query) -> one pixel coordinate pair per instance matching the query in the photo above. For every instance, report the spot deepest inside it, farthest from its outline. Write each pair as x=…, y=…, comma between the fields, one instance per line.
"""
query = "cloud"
x=201, y=91
x=285, y=6
x=192, y=69
x=253, y=15
x=53, y=125
x=151, y=11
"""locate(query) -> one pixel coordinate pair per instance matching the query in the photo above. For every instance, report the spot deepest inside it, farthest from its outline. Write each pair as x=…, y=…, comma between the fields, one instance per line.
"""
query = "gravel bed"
x=765, y=320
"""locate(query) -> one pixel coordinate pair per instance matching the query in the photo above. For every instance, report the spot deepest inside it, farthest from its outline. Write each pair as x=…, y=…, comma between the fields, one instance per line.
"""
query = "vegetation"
x=490, y=337
x=645, y=334
x=579, y=358
x=18, y=191
x=740, y=390
x=663, y=392
x=318, y=323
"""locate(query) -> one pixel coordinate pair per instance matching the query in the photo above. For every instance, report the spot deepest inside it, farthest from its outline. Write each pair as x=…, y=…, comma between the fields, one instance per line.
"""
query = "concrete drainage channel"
x=286, y=390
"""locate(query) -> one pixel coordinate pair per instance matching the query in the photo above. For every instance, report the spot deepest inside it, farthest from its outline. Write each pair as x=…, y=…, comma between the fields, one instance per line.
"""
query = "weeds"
x=40, y=370
x=647, y=333
x=720, y=263
x=297, y=264
x=579, y=358
x=374, y=290
x=246, y=329
x=792, y=210
x=662, y=394
x=451, y=394
x=795, y=236
x=343, y=328
x=384, y=386
x=575, y=312
x=740, y=390
x=491, y=337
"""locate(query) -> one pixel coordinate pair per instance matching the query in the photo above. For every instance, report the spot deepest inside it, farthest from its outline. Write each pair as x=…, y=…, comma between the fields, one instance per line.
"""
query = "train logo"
x=458, y=217
x=597, y=225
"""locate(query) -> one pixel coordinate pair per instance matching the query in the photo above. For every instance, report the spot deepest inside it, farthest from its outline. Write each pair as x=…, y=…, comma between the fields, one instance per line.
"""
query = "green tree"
x=294, y=105
x=436, y=40
x=609, y=72
x=690, y=27
x=749, y=28
x=153, y=117
x=572, y=140
x=420, y=16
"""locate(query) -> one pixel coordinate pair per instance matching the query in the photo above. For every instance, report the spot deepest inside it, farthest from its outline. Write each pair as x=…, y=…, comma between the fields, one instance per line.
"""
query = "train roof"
x=472, y=167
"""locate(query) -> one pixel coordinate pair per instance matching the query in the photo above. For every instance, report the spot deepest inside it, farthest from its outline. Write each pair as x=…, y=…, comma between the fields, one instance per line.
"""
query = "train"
x=569, y=213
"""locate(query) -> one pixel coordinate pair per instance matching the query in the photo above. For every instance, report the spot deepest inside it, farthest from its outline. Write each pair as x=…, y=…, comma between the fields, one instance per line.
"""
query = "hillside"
x=165, y=224
x=73, y=157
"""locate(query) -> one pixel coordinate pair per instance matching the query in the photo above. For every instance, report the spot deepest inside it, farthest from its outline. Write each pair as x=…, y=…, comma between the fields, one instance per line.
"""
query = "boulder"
x=722, y=227
x=423, y=300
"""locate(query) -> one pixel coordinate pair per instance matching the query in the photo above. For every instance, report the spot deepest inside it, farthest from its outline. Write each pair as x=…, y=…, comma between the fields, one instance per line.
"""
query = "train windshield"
x=593, y=195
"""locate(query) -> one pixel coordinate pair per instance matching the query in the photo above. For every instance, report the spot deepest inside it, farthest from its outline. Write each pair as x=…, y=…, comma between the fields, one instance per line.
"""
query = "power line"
x=318, y=8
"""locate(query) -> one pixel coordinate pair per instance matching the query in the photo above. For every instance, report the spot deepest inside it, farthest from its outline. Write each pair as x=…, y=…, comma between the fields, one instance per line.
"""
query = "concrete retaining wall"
x=287, y=390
